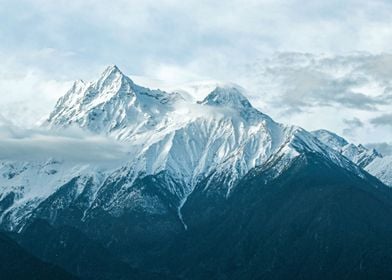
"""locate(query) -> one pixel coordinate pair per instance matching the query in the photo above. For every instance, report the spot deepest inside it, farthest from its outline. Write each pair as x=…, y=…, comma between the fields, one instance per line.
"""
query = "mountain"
x=17, y=263
x=209, y=188
x=222, y=136
x=369, y=159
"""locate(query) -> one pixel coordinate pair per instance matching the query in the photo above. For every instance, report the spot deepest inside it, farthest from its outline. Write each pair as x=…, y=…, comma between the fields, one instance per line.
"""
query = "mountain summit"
x=230, y=96
x=113, y=103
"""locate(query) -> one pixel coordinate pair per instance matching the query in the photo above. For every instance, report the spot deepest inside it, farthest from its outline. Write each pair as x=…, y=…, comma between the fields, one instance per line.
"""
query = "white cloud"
x=71, y=145
x=26, y=97
x=323, y=91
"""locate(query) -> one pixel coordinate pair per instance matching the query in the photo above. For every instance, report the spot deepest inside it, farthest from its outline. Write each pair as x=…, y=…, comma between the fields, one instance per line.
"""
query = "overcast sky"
x=318, y=64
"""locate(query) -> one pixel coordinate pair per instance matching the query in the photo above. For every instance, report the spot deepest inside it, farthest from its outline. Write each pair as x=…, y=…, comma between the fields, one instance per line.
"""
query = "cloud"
x=352, y=126
x=384, y=148
x=354, y=122
x=71, y=145
x=27, y=94
x=322, y=90
x=298, y=81
x=191, y=33
x=383, y=120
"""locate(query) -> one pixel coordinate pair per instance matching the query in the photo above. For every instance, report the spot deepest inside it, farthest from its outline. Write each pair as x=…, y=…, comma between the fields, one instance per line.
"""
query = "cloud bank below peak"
x=74, y=145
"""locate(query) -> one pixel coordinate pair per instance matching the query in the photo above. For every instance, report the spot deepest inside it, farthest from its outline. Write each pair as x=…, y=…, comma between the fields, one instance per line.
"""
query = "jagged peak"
x=110, y=75
x=111, y=69
x=227, y=96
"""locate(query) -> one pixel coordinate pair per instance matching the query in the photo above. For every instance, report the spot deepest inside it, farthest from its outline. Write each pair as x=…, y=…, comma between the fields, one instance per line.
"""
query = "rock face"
x=210, y=189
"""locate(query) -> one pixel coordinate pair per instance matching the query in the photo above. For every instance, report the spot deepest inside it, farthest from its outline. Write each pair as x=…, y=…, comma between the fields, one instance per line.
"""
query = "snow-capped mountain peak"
x=113, y=103
x=228, y=96
x=233, y=97
x=111, y=70
x=111, y=84
x=110, y=75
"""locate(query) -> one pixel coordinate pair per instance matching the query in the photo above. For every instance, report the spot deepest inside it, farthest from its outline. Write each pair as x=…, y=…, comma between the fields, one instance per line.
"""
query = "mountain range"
x=206, y=189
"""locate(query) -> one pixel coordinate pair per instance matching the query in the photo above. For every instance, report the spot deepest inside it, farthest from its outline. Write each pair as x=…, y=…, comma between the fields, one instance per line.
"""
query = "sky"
x=317, y=64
